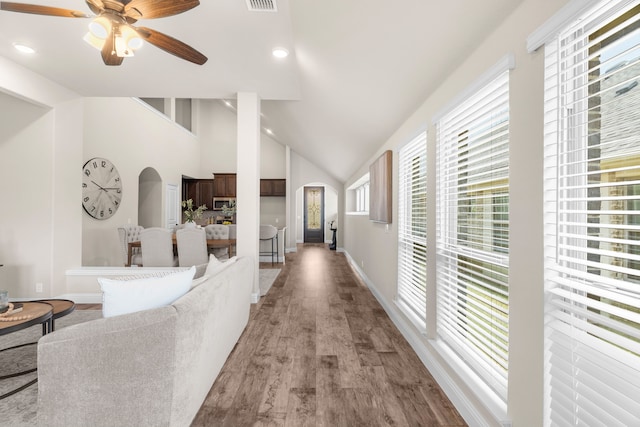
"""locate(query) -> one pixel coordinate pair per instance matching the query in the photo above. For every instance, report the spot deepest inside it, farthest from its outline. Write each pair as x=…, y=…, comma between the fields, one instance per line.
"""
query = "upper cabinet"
x=273, y=187
x=201, y=191
x=225, y=185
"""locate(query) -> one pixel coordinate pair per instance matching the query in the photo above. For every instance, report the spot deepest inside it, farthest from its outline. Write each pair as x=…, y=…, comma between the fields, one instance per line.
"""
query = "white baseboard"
x=469, y=412
x=82, y=298
x=255, y=297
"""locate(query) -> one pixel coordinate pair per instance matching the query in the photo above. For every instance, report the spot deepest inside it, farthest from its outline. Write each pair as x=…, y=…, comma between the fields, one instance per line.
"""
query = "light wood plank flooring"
x=320, y=351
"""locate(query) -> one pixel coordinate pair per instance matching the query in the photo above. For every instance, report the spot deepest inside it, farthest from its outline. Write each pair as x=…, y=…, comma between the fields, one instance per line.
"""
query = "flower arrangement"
x=231, y=209
x=190, y=215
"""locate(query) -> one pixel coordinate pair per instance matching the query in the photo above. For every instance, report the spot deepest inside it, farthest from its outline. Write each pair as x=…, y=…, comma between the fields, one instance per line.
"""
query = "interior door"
x=172, y=206
x=314, y=214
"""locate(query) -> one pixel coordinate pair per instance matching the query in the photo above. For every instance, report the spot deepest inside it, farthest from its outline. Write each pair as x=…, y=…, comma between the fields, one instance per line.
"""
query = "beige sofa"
x=149, y=368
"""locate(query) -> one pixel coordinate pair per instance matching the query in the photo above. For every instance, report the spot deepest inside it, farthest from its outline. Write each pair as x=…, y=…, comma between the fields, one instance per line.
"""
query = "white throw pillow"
x=200, y=280
x=215, y=265
x=128, y=296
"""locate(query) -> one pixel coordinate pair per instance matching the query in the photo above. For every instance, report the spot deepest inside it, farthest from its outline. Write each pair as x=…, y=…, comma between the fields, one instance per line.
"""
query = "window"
x=183, y=112
x=592, y=219
x=472, y=267
x=412, y=230
x=156, y=103
x=357, y=196
x=179, y=110
x=362, y=198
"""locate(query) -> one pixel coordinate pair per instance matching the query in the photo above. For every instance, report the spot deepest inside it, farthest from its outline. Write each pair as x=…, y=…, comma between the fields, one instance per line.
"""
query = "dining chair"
x=269, y=233
x=157, y=248
x=192, y=247
x=218, y=231
x=232, y=231
x=130, y=233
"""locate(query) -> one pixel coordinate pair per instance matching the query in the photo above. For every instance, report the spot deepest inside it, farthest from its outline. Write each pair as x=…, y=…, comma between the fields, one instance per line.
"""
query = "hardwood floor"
x=320, y=351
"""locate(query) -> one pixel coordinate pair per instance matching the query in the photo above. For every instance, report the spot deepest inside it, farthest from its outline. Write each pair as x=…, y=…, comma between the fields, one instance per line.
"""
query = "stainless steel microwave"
x=219, y=202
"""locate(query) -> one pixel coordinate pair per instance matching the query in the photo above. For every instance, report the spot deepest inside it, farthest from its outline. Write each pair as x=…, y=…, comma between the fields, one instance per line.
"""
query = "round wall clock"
x=101, y=188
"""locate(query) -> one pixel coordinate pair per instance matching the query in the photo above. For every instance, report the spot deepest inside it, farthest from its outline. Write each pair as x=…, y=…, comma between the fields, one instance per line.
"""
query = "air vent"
x=262, y=5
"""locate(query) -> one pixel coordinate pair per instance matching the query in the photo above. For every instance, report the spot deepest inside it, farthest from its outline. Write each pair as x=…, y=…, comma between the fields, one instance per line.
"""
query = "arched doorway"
x=329, y=210
x=150, y=205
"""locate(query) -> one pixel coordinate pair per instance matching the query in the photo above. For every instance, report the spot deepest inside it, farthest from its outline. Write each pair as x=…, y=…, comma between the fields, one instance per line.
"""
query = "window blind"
x=412, y=230
x=592, y=219
x=473, y=232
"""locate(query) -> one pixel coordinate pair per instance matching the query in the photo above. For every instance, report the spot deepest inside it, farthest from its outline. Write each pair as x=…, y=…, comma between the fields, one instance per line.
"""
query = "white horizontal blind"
x=473, y=232
x=412, y=230
x=592, y=219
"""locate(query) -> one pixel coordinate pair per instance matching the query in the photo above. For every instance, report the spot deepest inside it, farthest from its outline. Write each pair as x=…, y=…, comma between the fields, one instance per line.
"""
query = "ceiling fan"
x=112, y=32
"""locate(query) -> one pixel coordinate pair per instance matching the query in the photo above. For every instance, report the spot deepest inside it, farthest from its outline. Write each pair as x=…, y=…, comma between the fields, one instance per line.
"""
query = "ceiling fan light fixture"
x=126, y=41
x=100, y=27
x=135, y=43
x=93, y=41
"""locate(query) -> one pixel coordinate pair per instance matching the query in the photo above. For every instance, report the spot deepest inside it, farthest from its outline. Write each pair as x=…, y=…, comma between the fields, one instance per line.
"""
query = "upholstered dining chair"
x=192, y=246
x=269, y=233
x=218, y=231
x=157, y=248
x=130, y=233
x=232, y=231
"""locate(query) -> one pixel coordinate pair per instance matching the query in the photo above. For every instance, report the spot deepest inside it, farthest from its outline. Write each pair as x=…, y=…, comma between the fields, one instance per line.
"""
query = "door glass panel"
x=314, y=205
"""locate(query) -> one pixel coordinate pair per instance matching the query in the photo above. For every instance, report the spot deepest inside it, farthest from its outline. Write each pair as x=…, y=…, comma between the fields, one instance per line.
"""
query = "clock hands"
x=98, y=185
x=105, y=188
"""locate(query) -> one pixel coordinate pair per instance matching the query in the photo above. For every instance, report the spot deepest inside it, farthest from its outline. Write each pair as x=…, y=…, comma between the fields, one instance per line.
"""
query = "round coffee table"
x=33, y=313
x=61, y=307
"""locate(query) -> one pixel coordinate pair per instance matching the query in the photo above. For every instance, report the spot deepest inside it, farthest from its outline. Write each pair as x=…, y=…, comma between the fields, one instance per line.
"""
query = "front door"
x=314, y=214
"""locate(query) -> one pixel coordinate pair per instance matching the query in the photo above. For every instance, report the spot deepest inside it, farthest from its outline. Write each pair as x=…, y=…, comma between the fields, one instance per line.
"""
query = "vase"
x=189, y=224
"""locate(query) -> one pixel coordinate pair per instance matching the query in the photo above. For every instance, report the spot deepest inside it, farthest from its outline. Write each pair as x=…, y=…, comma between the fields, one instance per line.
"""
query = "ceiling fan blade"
x=109, y=52
x=171, y=45
x=41, y=10
x=150, y=9
x=96, y=6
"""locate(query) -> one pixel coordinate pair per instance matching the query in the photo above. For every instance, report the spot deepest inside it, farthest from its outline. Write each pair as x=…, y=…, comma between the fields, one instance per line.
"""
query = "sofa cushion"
x=128, y=296
x=215, y=265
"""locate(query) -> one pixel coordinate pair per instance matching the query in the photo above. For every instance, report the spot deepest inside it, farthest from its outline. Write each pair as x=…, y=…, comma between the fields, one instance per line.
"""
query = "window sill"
x=357, y=213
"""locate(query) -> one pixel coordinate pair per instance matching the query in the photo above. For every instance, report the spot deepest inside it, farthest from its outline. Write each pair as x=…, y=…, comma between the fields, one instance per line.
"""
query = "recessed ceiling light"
x=280, y=52
x=24, y=48
x=269, y=131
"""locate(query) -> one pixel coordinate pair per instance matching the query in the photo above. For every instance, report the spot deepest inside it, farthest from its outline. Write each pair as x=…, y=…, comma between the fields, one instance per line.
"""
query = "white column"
x=288, y=198
x=248, y=181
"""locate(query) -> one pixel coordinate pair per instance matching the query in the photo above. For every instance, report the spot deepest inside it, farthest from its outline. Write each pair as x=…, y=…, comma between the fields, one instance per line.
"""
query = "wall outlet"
x=39, y=287
x=277, y=220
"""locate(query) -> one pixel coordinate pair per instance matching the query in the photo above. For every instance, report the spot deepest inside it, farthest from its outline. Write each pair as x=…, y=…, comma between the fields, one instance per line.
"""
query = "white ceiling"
x=357, y=68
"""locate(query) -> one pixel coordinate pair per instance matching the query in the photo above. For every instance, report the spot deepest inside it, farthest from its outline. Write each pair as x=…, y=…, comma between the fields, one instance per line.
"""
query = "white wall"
x=217, y=129
x=26, y=166
x=133, y=137
x=40, y=140
x=374, y=248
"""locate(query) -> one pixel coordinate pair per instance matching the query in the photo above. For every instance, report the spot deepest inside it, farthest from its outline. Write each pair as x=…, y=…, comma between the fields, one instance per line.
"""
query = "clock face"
x=101, y=188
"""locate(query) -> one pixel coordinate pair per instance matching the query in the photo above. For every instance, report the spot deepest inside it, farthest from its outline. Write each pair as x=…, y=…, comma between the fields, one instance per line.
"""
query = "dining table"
x=211, y=244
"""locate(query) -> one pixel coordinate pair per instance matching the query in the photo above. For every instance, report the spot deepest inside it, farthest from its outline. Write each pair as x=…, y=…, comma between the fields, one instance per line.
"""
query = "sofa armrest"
x=109, y=372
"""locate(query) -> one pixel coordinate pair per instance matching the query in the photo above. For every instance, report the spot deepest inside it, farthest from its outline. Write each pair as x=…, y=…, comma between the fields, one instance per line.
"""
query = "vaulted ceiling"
x=356, y=70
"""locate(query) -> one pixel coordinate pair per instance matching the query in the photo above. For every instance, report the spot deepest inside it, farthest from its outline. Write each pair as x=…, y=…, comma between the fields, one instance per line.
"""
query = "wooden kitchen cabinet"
x=224, y=185
x=205, y=193
x=273, y=187
x=201, y=191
